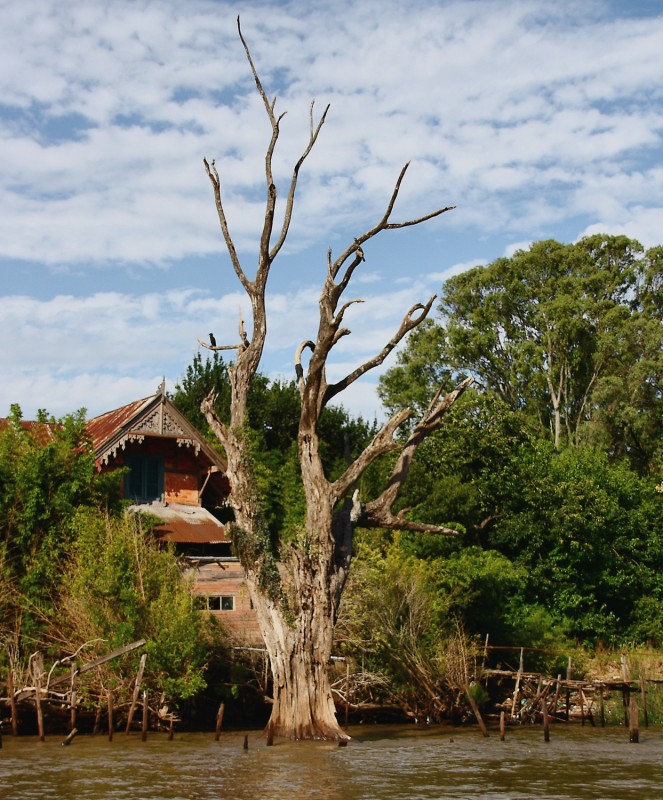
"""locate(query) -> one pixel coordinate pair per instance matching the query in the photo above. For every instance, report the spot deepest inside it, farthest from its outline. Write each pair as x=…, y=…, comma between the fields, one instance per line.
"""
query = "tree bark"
x=295, y=584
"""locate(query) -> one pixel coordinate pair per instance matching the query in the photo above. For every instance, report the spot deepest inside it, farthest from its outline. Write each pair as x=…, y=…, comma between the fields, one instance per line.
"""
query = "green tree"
x=122, y=586
x=47, y=472
x=589, y=532
x=568, y=334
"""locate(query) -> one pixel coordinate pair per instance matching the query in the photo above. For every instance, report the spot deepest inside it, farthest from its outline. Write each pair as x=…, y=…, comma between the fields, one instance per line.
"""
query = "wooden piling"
x=502, y=726
x=134, y=697
x=581, y=697
x=643, y=694
x=97, y=719
x=516, y=691
x=70, y=737
x=602, y=705
x=347, y=691
x=12, y=701
x=0, y=734
x=246, y=742
x=270, y=735
x=569, y=672
x=146, y=711
x=546, y=720
x=476, y=712
x=110, y=715
x=73, y=699
x=626, y=699
x=633, y=735
x=558, y=689
x=40, y=712
x=219, y=722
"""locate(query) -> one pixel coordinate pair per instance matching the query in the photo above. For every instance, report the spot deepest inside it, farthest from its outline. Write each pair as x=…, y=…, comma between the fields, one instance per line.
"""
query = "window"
x=144, y=482
x=223, y=602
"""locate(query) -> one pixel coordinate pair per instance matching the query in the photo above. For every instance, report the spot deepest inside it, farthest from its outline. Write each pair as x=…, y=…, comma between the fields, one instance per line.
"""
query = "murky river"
x=381, y=763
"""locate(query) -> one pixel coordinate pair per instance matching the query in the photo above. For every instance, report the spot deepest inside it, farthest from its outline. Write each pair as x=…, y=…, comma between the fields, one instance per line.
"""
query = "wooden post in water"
x=40, y=713
x=581, y=696
x=546, y=720
x=626, y=699
x=347, y=691
x=270, y=736
x=110, y=715
x=517, y=689
x=73, y=699
x=12, y=701
x=97, y=719
x=633, y=734
x=219, y=722
x=70, y=737
x=145, y=714
x=476, y=712
x=602, y=706
x=569, y=672
x=643, y=693
x=558, y=689
x=134, y=697
x=502, y=726
x=246, y=742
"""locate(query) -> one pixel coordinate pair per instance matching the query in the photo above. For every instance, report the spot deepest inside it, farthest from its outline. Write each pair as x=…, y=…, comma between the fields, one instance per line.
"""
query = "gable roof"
x=153, y=416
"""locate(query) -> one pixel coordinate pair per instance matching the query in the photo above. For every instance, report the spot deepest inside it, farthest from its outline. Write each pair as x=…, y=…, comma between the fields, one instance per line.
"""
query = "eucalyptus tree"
x=296, y=576
x=569, y=334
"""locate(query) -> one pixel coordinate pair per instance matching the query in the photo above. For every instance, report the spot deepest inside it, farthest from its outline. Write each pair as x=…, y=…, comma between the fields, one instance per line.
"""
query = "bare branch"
x=385, y=519
x=209, y=410
x=299, y=370
x=383, y=442
x=219, y=346
x=382, y=225
x=213, y=175
x=409, y=322
x=379, y=510
x=269, y=106
x=287, y=217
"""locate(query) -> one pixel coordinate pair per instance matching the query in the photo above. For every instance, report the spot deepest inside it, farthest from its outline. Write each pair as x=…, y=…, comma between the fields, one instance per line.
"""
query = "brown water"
x=381, y=763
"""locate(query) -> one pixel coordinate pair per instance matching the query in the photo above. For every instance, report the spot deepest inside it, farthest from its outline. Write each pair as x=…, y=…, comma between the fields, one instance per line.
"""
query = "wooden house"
x=176, y=476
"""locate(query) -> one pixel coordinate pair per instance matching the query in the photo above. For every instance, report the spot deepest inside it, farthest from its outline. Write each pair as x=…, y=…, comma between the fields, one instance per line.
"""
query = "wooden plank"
x=476, y=712
x=25, y=693
x=12, y=701
x=134, y=699
x=633, y=733
x=219, y=722
x=110, y=656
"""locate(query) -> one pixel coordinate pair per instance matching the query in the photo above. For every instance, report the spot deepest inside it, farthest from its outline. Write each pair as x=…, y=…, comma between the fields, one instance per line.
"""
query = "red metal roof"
x=101, y=428
x=185, y=524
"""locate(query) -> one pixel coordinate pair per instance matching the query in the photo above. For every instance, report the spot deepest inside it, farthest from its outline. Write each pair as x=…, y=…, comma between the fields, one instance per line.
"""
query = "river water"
x=381, y=763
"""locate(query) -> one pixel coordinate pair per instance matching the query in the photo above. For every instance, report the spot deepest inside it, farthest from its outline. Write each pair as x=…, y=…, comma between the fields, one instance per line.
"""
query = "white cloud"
x=536, y=119
x=143, y=80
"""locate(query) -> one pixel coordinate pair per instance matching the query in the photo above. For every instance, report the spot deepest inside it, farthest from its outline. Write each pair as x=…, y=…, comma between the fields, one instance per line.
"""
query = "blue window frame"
x=144, y=483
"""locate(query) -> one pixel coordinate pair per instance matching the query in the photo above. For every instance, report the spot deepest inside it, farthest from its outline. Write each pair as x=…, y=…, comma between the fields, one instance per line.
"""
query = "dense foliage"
x=77, y=575
x=553, y=462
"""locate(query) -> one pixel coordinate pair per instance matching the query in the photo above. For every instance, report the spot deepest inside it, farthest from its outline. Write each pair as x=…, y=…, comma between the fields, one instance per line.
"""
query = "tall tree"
x=569, y=334
x=296, y=577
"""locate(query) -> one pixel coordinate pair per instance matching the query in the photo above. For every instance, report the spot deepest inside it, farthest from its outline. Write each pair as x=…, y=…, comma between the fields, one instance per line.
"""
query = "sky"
x=535, y=119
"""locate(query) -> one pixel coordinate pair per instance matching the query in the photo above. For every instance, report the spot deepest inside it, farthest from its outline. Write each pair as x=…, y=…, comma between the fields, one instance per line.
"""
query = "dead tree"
x=296, y=587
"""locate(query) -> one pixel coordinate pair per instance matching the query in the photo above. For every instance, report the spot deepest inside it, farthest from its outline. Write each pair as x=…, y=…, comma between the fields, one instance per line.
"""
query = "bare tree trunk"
x=296, y=586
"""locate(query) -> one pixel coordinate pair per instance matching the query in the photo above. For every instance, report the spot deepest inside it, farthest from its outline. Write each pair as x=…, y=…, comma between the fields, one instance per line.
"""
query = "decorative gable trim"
x=156, y=418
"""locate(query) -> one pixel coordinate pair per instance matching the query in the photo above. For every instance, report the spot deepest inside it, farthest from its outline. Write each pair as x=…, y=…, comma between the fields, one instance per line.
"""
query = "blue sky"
x=536, y=119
